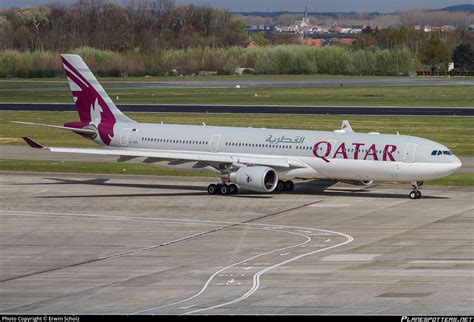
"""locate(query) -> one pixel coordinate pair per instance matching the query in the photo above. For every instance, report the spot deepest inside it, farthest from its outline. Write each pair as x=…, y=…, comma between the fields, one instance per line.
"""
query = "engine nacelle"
x=255, y=178
x=358, y=182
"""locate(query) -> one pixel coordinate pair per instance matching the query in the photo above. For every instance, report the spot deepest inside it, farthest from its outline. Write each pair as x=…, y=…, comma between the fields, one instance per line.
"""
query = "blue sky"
x=295, y=5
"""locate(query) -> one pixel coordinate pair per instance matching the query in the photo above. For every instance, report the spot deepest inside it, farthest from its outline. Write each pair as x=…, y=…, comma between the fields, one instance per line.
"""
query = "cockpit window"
x=438, y=152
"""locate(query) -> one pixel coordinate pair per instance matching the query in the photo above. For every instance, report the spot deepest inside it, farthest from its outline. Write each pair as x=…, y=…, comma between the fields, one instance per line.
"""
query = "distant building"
x=252, y=44
x=444, y=28
x=320, y=34
x=257, y=28
x=313, y=42
x=248, y=44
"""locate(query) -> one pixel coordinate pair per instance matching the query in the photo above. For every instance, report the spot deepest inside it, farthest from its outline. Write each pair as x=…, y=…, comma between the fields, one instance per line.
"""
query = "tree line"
x=281, y=59
x=145, y=25
x=433, y=50
x=458, y=19
x=158, y=37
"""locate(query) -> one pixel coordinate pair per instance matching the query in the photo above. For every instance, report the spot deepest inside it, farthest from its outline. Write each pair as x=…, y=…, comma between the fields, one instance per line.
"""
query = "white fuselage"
x=330, y=155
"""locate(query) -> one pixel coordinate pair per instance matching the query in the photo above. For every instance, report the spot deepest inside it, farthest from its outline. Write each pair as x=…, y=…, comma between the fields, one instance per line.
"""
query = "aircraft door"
x=214, y=144
x=409, y=155
x=124, y=137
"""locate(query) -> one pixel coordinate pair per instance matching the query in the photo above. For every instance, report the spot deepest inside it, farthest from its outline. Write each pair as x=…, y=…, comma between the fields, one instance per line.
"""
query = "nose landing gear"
x=416, y=187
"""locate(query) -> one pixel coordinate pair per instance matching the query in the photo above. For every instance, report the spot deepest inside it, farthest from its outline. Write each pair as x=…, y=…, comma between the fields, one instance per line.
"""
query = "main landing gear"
x=225, y=188
x=284, y=186
x=416, y=193
x=222, y=189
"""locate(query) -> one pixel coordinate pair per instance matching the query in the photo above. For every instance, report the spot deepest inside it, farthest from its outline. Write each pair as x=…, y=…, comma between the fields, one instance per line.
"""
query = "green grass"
x=434, y=96
x=28, y=85
x=455, y=132
x=457, y=179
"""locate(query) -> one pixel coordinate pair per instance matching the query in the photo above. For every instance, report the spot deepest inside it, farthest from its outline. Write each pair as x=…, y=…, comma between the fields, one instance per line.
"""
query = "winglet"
x=346, y=126
x=33, y=144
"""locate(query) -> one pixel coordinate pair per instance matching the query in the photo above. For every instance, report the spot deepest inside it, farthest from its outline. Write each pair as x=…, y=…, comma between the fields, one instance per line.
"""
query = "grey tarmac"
x=81, y=244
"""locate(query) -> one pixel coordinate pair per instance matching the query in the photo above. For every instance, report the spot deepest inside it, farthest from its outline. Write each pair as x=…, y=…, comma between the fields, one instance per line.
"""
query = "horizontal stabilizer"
x=86, y=131
x=32, y=143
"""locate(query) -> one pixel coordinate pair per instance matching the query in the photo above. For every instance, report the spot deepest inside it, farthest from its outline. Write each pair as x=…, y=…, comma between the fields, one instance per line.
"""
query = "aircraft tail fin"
x=94, y=106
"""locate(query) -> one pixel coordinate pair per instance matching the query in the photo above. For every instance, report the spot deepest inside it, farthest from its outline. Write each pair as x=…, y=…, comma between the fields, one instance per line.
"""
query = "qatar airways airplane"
x=260, y=160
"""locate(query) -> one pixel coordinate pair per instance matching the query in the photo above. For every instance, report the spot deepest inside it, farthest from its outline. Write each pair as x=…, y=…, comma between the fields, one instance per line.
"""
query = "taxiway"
x=82, y=244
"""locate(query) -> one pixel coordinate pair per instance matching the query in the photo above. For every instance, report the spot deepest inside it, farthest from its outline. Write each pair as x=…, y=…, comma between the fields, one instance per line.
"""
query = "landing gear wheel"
x=233, y=189
x=416, y=193
x=289, y=185
x=224, y=189
x=212, y=189
x=280, y=185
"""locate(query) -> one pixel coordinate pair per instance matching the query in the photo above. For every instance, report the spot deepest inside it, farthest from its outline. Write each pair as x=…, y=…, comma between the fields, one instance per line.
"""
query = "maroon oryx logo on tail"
x=92, y=108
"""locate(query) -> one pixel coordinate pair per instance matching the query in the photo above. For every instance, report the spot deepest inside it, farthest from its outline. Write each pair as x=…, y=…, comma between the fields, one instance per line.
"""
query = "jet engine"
x=255, y=178
x=358, y=182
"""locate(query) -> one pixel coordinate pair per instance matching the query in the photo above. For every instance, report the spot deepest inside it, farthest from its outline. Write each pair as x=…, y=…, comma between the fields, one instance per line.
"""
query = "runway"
x=256, y=109
x=82, y=244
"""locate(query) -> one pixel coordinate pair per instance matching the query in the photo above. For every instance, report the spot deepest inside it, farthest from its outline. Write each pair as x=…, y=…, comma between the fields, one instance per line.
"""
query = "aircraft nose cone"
x=456, y=162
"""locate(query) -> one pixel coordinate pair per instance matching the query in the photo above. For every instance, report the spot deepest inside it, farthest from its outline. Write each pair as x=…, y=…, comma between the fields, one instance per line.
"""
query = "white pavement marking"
x=220, y=271
x=256, y=276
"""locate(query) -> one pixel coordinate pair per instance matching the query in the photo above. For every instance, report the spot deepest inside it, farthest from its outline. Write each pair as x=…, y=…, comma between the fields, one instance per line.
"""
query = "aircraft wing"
x=173, y=155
